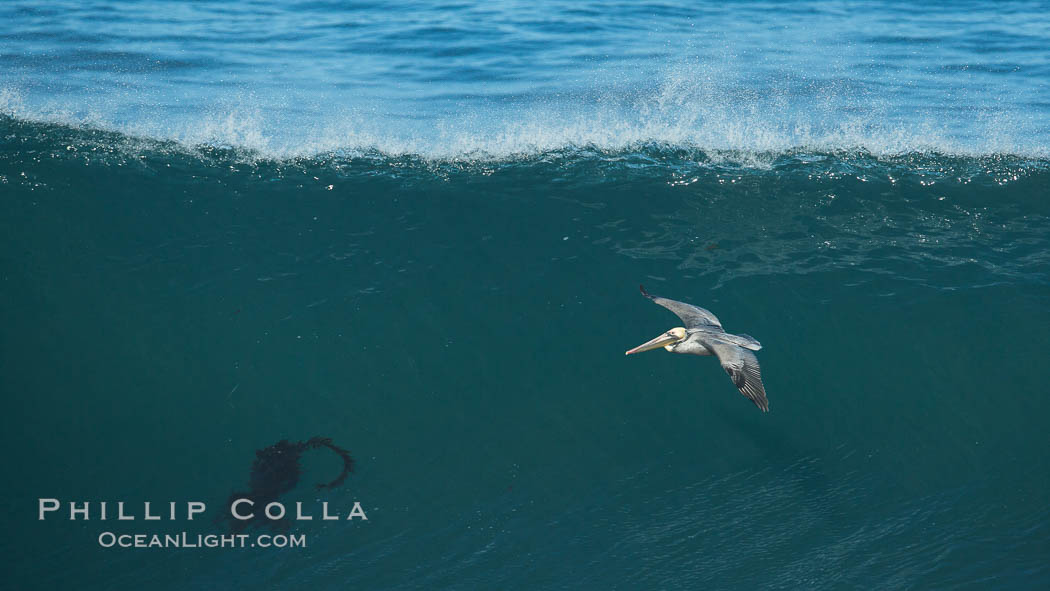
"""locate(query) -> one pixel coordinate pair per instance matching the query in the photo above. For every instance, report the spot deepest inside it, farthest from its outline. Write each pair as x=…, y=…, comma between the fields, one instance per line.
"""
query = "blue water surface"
x=456, y=78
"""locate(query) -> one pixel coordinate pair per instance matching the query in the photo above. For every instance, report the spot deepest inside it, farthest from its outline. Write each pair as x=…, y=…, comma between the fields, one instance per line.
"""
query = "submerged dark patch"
x=276, y=471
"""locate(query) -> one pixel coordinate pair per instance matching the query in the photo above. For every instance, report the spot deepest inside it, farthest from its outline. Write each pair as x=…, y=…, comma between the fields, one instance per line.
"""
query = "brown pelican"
x=703, y=335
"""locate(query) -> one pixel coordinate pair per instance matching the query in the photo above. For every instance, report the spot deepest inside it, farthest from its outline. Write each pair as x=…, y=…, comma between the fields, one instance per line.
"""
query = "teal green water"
x=460, y=327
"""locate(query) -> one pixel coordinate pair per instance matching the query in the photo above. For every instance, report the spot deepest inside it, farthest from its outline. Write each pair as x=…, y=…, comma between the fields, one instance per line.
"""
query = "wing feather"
x=742, y=366
x=692, y=316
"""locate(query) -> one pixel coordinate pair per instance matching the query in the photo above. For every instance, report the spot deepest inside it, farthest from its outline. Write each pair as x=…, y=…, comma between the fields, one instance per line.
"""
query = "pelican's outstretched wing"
x=692, y=316
x=742, y=366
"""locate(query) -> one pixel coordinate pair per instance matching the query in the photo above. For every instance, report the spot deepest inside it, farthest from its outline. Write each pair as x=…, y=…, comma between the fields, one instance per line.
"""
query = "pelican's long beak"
x=665, y=339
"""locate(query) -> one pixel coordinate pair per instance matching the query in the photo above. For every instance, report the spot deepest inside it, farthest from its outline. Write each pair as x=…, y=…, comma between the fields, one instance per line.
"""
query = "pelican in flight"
x=703, y=335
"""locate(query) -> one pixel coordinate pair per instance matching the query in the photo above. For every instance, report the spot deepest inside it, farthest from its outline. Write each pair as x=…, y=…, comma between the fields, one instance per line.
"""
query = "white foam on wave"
x=693, y=107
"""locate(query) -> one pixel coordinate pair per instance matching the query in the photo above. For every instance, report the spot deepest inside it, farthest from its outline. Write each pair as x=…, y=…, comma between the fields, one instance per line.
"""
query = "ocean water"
x=420, y=229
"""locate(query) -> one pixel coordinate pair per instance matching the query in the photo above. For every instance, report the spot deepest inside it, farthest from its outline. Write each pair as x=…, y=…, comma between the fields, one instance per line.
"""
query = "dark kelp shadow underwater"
x=275, y=472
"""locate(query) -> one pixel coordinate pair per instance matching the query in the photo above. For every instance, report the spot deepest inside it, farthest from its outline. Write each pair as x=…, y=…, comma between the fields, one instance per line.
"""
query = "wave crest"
x=690, y=109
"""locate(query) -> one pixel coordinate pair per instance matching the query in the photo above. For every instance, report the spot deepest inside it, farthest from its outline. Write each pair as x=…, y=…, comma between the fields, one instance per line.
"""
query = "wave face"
x=460, y=327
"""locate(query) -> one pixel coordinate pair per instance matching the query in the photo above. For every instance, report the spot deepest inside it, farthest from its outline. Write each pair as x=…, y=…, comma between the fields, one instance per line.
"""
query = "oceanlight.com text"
x=186, y=540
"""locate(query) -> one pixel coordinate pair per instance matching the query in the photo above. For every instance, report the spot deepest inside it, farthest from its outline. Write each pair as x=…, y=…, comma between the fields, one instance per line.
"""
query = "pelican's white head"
x=667, y=340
